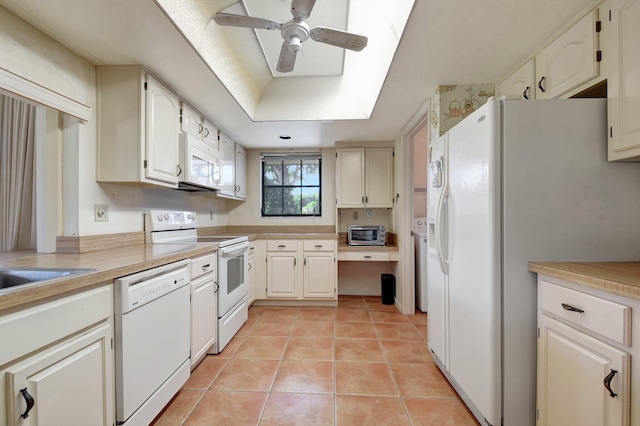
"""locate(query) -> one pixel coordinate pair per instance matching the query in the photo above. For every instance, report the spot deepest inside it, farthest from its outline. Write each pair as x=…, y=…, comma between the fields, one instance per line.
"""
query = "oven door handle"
x=239, y=248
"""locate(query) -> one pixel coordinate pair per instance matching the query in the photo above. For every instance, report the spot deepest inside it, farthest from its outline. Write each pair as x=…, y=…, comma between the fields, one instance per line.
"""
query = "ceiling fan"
x=295, y=32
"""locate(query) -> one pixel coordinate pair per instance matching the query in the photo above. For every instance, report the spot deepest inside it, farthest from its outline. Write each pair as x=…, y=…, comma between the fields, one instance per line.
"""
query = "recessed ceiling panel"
x=315, y=59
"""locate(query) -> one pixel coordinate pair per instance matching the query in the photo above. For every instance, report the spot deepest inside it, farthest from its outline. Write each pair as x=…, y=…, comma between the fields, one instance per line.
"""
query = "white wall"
x=36, y=57
x=248, y=212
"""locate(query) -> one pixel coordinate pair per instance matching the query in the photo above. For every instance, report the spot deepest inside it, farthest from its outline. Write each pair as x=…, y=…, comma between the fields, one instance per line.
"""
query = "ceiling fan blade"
x=287, y=59
x=245, y=21
x=301, y=9
x=339, y=38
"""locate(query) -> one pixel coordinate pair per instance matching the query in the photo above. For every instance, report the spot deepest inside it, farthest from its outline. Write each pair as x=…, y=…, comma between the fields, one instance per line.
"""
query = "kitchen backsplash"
x=348, y=217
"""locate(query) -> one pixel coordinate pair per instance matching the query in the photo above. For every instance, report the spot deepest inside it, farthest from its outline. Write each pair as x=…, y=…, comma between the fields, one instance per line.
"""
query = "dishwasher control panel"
x=136, y=290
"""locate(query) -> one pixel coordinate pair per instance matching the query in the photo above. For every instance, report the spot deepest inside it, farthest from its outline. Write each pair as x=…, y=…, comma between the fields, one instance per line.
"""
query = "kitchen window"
x=291, y=185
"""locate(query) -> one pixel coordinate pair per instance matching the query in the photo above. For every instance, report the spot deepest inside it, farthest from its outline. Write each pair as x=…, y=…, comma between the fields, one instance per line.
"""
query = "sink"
x=11, y=277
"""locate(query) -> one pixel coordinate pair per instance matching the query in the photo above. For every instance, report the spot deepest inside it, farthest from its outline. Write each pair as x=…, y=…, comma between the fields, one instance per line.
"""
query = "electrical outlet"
x=355, y=215
x=101, y=212
x=369, y=214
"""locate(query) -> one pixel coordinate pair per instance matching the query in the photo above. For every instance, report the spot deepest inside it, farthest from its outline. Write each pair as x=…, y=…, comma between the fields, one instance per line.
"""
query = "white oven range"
x=166, y=226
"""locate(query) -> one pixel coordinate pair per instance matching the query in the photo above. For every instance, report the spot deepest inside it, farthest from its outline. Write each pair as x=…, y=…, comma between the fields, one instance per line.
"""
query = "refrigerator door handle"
x=439, y=228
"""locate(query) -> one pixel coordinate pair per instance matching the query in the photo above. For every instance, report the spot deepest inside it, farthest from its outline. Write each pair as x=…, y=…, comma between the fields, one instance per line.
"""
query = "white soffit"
x=230, y=54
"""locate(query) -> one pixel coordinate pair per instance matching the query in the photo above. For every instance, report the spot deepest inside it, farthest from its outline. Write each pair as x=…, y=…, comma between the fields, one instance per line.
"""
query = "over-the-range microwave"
x=361, y=235
x=200, y=167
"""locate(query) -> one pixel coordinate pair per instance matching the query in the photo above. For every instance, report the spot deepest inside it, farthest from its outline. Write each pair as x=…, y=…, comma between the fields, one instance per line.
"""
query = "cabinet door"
x=203, y=317
x=569, y=60
x=350, y=177
x=623, y=85
x=379, y=178
x=251, y=276
x=71, y=383
x=241, y=172
x=228, y=150
x=190, y=121
x=162, y=124
x=319, y=275
x=281, y=275
x=573, y=369
x=520, y=82
x=210, y=134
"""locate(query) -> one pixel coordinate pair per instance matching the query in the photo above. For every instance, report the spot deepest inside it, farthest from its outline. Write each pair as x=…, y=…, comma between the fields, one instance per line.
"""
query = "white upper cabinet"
x=570, y=60
x=138, y=125
x=241, y=172
x=364, y=177
x=162, y=136
x=234, y=170
x=520, y=83
x=192, y=122
x=623, y=85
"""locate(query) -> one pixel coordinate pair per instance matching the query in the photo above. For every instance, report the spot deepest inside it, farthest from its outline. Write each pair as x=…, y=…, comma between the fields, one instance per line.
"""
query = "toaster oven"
x=360, y=235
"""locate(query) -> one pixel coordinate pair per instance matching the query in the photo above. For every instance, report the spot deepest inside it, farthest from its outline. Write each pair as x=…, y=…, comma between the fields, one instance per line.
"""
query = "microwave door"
x=201, y=172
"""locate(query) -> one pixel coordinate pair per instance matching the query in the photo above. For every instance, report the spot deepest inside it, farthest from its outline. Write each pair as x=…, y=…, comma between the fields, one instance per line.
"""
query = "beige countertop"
x=621, y=278
x=117, y=262
x=109, y=264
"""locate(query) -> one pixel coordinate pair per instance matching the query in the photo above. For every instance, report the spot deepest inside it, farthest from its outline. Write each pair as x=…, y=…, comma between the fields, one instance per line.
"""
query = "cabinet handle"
x=366, y=198
x=524, y=94
x=200, y=128
x=205, y=267
x=305, y=261
x=540, y=85
x=179, y=170
x=249, y=268
x=607, y=383
x=318, y=246
x=30, y=402
x=362, y=199
x=294, y=261
x=571, y=308
x=217, y=287
x=206, y=132
x=281, y=246
x=367, y=257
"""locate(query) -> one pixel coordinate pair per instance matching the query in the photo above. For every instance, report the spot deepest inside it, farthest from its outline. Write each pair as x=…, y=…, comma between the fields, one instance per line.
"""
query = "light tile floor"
x=362, y=363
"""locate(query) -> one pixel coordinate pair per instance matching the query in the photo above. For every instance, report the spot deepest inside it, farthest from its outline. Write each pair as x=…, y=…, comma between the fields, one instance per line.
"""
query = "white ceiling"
x=444, y=42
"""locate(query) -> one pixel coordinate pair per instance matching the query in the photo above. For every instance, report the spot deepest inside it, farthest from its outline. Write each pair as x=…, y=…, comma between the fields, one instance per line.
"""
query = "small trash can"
x=388, y=282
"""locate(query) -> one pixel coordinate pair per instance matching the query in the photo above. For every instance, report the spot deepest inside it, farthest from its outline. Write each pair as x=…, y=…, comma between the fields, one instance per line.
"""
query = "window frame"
x=283, y=157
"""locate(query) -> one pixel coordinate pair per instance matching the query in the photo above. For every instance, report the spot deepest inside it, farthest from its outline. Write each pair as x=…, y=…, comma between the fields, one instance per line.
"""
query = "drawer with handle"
x=203, y=265
x=364, y=256
x=319, y=245
x=282, y=245
x=609, y=319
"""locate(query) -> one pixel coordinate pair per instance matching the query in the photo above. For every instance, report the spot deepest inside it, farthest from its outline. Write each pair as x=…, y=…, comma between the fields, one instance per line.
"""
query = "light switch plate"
x=369, y=214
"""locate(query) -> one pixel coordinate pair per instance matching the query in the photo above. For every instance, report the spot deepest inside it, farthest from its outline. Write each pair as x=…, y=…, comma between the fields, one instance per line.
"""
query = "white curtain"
x=17, y=176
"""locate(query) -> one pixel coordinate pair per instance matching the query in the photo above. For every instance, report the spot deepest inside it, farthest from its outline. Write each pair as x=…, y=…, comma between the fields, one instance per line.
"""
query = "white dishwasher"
x=152, y=320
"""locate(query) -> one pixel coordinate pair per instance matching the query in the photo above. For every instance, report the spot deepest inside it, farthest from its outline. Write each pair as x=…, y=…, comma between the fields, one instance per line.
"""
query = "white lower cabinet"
x=584, y=358
x=68, y=384
x=304, y=269
x=581, y=380
x=251, y=272
x=59, y=367
x=204, y=312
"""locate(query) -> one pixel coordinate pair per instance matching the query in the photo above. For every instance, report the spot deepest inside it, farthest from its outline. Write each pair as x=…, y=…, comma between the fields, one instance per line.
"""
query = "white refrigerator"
x=516, y=181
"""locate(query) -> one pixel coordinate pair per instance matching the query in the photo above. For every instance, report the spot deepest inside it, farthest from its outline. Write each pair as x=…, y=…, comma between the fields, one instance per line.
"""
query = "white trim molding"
x=14, y=85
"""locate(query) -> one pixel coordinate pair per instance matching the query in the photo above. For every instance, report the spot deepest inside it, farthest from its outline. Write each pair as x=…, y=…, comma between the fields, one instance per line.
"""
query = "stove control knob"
x=166, y=216
x=159, y=218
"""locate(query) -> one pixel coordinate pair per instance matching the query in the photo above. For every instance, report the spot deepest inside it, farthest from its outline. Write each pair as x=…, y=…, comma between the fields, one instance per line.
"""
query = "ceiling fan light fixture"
x=295, y=45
